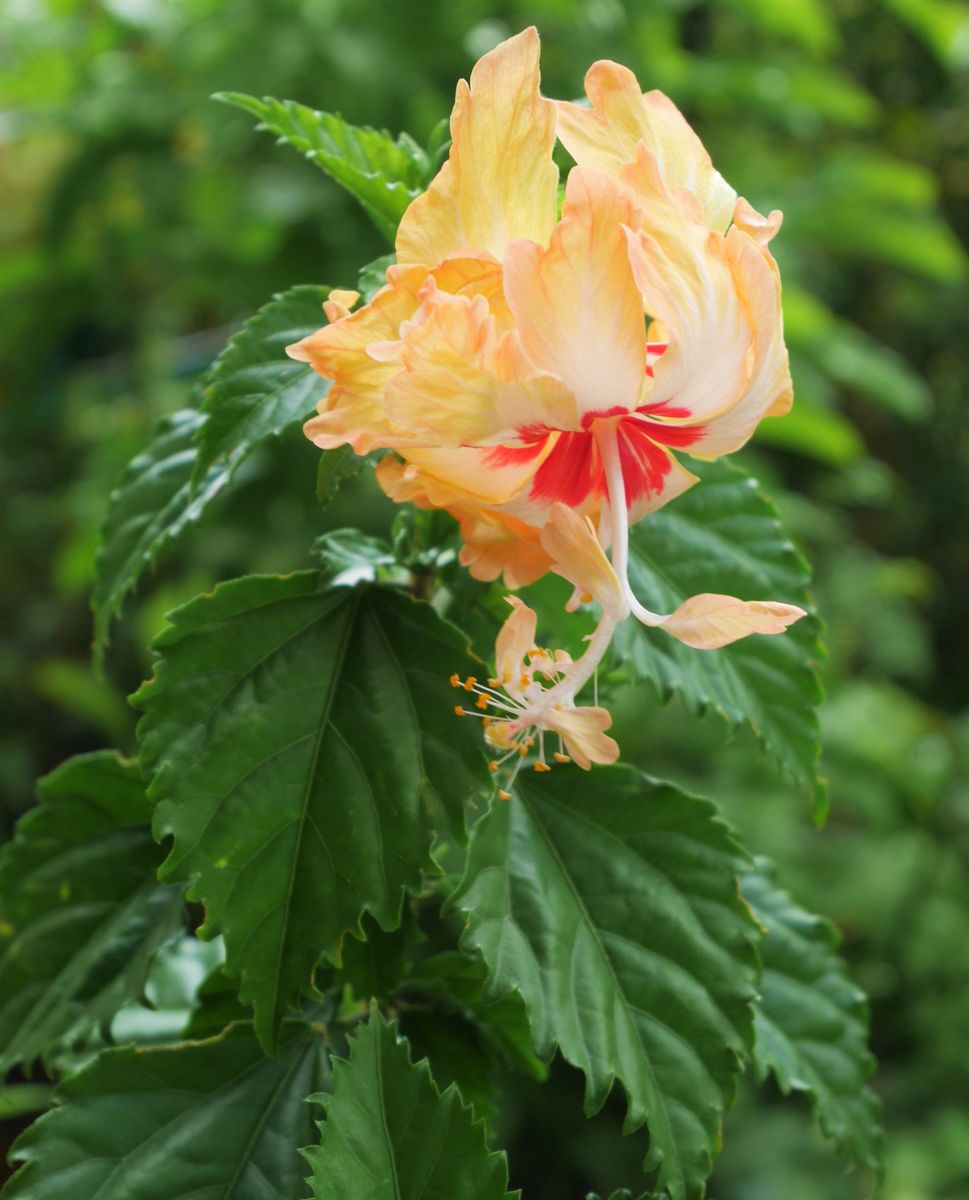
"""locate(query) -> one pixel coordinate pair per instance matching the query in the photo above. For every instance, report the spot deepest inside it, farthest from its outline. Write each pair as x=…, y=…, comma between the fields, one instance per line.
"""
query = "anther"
x=503, y=795
x=481, y=702
x=458, y=710
x=561, y=758
x=541, y=767
x=493, y=765
x=455, y=680
x=524, y=681
x=586, y=597
x=469, y=683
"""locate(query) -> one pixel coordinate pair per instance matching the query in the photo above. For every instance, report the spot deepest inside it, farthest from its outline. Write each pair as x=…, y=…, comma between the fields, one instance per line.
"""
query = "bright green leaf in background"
x=724, y=536
x=383, y=174
x=610, y=902
x=304, y=751
x=389, y=1131
x=81, y=911
x=207, y=1120
x=811, y=1021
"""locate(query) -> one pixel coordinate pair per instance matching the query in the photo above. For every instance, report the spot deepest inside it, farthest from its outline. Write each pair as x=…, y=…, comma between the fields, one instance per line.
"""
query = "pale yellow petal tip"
x=710, y=621
x=572, y=544
x=762, y=229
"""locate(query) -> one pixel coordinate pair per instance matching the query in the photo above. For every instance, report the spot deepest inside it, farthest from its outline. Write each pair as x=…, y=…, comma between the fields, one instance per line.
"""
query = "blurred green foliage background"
x=142, y=222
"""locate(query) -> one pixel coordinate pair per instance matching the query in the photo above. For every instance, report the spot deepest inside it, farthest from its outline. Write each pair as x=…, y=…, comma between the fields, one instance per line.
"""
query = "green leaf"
x=203, y=1119
x=811, y=1021
x=390, y=1132
x=304, y=755
x=152, y=505
x=724, y=536
x=382, y=174
x=336, y=466
x=254, y=391
x=610, y=902
x=81, y=911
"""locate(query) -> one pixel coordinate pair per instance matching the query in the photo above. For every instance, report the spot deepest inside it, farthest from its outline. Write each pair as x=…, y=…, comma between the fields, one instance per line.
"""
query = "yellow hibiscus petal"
x=687, y=283
x=353, y=410
x=768, y=391
x=576, y=304
x=338, y=304
x=762, y=229
x=463, y=385
x=499, y=181
x=607, y=135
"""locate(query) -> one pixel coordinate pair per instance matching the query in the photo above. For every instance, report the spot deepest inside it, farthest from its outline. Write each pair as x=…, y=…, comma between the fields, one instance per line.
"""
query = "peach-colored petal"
x=583, y=731
x=338, y=304
x=497, y=544
x=762, y=229
x=621, y=117
x=686, y=281
x=353, y=410
x=768, y=391
x=576, y=304
x=709, y=621
x=499, y=181
x=462, y=384
x=515, y=638
x=573, y=545
x=462, y=475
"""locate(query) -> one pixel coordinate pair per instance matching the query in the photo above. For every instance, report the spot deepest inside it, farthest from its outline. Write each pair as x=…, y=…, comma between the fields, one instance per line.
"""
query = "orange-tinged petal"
x=576, y=304
x=573, y=546
x=353, y=410
x=583, y=731
x=464, y=475
x=499, y=181
x=607, y=135
x=709, y=621
x=338, y=304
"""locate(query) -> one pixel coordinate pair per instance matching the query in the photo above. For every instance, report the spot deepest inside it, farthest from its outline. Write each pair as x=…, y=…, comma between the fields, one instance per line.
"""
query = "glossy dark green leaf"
x=389, y=1131
x=153, y=504
x=610, y=902
x=81, y=909
x=724, y=536
x=384, y=175
x=254, y=390
x=335, y=467
x=304, y=755
x=811, y=1021
x=203, y=1120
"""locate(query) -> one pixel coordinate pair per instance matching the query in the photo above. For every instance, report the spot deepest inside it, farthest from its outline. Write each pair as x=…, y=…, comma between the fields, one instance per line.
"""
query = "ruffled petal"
x=687, y=283
x=499, y=181
x=576, y=304
x=769, y=391
x=762, y=229
x=583, y=732
x=462, y=384
x=353, y=412
x=607, y=135
x=709, y=621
